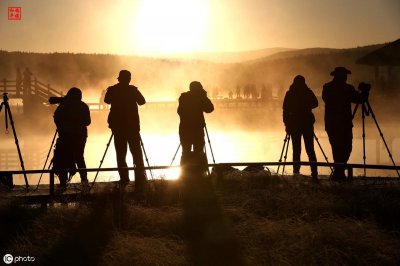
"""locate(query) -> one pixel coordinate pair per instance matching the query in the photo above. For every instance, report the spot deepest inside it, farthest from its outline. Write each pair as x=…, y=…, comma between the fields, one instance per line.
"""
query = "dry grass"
x=258, y=221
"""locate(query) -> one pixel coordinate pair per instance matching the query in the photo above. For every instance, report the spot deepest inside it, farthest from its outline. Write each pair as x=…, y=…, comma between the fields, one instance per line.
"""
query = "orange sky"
x=154, y=27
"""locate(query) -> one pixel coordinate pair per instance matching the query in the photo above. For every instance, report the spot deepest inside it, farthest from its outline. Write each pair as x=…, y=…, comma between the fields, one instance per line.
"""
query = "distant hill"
x=231, y=57
x=315, y=64
x=317, y=50
x=162, y=78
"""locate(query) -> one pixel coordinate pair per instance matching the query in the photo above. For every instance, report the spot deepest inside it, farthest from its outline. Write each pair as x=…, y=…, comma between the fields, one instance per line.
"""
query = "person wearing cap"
x=299, y=121
x=124, y=123
x=338, y=96
x=71, y=117
x=192, y=105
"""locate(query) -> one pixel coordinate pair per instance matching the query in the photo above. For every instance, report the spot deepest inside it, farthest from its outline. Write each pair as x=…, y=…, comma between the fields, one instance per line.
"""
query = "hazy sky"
x=154, y=27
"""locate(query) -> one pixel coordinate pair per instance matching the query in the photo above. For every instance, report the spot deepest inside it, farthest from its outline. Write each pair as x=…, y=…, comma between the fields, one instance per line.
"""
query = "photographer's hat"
x=340, y=70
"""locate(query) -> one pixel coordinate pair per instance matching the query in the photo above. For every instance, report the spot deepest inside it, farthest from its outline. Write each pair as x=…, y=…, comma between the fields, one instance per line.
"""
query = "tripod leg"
x=8, y=112
x=286, y=152
x=173, y=159
x=323, y=153
x=101, y=162
x=47, y=158
x=205, y=153
x=145, y=155
x=363, y=137
x=209, y=143
x=283, y=148
x=381, y=134
x=355, y=110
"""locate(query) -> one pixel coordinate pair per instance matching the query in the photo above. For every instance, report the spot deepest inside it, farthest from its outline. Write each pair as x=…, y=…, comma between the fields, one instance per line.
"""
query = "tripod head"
x=364, y=88
x=5, y=96
x=5, y=100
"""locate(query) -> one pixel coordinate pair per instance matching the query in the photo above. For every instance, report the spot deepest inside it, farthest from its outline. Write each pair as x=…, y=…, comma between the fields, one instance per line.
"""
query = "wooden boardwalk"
x=49, y=193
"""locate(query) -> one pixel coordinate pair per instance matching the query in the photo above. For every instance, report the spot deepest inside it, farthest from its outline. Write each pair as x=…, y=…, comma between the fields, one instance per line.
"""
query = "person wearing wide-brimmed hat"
x=338, y=96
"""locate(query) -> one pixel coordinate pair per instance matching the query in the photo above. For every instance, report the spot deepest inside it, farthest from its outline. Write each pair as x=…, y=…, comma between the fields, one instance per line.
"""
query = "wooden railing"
x=43, y=92
x=9, y=159
x=348, y=167
x=24, y=89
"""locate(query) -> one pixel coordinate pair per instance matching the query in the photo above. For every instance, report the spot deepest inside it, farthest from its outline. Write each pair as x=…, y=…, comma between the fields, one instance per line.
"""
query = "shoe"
x=61, y=189
x=338, y=178
x=314, y=177
x=124, y=182
x=85, y=185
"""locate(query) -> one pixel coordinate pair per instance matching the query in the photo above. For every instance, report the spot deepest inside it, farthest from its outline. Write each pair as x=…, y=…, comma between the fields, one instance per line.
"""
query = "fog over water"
x=236, y=135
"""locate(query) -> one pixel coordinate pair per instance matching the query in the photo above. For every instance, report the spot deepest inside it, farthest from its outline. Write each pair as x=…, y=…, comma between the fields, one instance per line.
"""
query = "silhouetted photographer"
x=299, y=120
x=192, y=105
x=71, y=117
x=338, y=96
x=125, y=125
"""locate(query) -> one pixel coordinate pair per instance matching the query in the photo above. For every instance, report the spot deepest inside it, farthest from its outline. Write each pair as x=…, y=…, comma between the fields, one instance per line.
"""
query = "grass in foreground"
x=255, y=221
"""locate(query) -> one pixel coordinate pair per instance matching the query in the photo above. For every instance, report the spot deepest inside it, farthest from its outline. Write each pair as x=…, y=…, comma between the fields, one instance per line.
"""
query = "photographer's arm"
x=208, y=106
x=140, y=98
x=58, y=117
x=313, y=101
x=108, y=96
x=87, y=119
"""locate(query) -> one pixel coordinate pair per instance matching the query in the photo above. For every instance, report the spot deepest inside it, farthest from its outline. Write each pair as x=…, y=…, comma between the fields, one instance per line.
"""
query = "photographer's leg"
x=79, y=150
x=348, y=144
x=137, y=154
x=186, y=139
x=120, y=142
x=198, y=150
x=296, y=143
x=309, y=144
x=339, y=149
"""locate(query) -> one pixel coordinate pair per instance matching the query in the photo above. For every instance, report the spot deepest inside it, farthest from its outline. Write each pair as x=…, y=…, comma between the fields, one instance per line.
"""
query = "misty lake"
x=235, y=145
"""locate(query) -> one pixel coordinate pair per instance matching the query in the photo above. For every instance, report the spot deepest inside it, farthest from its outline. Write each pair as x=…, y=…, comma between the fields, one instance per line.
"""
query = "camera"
x=364, y=87
x=56, y=100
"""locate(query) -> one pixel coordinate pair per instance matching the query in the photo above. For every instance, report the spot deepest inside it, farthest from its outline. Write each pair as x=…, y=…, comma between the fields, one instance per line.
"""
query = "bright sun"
x=173, y=26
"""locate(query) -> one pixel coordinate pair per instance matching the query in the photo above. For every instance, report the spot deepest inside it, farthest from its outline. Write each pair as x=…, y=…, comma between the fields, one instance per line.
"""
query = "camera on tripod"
x=56, y=100
x=364, y=87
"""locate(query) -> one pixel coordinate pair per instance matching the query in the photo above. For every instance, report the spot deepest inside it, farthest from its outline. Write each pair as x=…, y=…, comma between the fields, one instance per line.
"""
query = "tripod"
x=145, y=156
x=104, y=155
x=47, y=158
x=8, y=115
x=366, y=110
x=285, y=149
x=209, y=143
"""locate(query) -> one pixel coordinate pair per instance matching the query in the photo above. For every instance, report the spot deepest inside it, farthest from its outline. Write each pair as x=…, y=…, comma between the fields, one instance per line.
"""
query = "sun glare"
x=166, y=27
